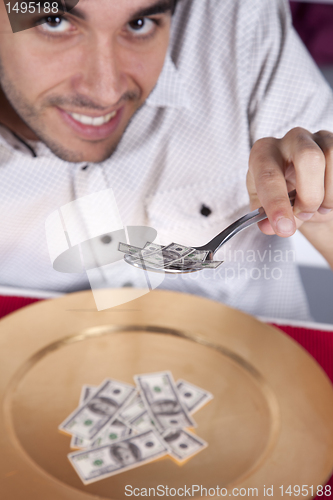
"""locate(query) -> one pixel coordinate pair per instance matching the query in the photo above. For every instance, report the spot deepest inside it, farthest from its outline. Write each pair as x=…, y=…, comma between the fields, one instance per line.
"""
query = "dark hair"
x=174, y=6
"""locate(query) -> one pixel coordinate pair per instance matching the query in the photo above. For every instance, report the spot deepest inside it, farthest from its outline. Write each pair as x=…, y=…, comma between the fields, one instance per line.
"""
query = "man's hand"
x=303, y=161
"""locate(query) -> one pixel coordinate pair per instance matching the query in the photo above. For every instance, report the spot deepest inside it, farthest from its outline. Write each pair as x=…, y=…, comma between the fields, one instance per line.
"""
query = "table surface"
x=319, y=343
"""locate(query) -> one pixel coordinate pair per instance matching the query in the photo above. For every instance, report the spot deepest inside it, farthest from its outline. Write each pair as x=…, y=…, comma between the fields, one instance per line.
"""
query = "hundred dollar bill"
x=146, y=250
x=193, y=397
x=183, y=267
x=86, y=392
x=167, y=255
x=133, y=409
x=162, y=401
x=112, y=433
x=211, y=264
x=129, y=249
x=197, y=266
x=77, y=442
x=190, y=261
x=183, y=444
x=197, y=256
x=151, y=247
x=136, y=416
x=105, y=461
x=142, y=423
x=100, y=409
x=109, y=433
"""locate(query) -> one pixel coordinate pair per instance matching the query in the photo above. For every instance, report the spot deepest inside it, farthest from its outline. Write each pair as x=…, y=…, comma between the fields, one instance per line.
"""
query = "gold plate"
x=270, y=423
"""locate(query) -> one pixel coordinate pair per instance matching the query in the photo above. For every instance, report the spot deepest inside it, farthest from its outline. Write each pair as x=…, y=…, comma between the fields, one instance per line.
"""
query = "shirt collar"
x=170, y=90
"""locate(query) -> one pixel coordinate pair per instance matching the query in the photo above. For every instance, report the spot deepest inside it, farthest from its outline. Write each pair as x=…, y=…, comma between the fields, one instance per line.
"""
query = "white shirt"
x=235, y=72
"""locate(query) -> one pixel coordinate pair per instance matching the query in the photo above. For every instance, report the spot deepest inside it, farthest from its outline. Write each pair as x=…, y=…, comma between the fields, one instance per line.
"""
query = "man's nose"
x=102, y=78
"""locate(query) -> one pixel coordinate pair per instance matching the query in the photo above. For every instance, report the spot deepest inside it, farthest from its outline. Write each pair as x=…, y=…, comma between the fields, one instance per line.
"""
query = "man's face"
x=76, y=81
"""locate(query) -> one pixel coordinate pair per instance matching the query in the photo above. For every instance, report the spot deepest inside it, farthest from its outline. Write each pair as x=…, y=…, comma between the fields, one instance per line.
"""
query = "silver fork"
x=215, y=244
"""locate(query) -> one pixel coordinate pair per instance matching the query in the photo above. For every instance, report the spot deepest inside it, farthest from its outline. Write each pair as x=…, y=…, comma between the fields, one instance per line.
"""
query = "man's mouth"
x=92, y=127
x=94, y=121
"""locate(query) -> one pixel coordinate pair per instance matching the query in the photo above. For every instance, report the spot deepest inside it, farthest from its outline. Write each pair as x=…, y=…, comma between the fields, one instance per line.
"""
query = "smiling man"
x=163, y=103
x=75, y=81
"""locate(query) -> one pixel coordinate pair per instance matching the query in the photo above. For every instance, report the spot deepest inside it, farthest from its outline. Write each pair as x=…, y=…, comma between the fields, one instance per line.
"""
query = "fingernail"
x=285, y=226
x=304, y=216
x=324, y=211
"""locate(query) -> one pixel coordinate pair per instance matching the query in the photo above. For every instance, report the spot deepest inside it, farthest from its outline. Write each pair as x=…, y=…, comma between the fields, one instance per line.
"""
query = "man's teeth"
x=95, y=122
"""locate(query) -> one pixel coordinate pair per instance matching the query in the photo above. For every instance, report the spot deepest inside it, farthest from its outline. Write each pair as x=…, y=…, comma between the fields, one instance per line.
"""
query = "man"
x=164, y=111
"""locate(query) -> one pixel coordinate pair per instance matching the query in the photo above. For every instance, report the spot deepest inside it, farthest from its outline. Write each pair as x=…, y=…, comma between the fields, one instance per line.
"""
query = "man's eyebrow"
x=63, y=8
x=76, y=12
x=160, y=7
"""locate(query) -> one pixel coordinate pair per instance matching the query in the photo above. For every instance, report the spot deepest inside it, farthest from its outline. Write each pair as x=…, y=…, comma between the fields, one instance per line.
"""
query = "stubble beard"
x=31, y=117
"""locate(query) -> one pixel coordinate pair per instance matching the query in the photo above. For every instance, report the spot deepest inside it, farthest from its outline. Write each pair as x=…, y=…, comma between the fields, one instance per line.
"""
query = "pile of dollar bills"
x=119, y=426
x=173, y=256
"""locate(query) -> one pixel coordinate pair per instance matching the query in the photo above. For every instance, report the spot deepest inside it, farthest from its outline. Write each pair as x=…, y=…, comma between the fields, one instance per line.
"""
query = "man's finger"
x=266, y=166
x=324, y=140
x=299, y=148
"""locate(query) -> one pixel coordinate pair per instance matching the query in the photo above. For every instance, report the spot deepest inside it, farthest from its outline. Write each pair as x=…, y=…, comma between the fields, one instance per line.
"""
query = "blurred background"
x=313, y=21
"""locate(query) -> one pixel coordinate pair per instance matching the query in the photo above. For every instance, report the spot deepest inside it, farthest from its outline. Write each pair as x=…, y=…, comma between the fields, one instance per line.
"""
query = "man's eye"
x=141, y=26
x=56, y=24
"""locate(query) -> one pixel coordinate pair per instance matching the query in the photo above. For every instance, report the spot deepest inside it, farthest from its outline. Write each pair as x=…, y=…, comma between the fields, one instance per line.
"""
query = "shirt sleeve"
x=286, y=88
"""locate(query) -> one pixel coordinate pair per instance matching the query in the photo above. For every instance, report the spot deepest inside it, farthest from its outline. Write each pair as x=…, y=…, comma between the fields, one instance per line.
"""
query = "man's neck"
x=11, y=119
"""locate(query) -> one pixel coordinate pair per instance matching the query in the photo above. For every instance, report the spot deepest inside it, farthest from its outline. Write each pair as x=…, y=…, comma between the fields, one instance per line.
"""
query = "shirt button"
x=85, y=167
x=205, y=211
x=106, y=239
x=128, y=284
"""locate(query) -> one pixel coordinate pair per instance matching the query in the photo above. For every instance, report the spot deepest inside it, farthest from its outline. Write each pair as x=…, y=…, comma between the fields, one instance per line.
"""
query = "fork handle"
x=246, y=221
